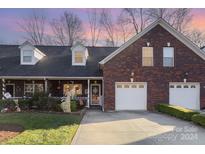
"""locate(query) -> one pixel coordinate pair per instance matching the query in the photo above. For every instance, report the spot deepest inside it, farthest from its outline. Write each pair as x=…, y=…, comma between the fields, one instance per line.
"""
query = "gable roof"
x=56, y=63
x=167, y=27
x=33, y=47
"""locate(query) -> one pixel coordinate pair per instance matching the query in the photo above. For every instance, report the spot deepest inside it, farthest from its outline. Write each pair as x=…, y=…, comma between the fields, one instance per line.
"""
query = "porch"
x=89, y=90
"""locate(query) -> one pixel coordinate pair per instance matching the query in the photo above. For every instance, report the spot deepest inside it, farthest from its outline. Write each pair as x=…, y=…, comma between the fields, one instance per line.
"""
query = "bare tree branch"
x=197, y=37
x=34, y=27
x=95, y=27
x=125, y=29
x=107, y=23
x=137, y=17
x=178, y=18
x=58, y=30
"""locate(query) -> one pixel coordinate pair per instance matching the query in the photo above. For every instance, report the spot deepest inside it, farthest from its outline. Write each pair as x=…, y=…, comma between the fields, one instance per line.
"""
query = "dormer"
x=79, y=54
x=29, y=54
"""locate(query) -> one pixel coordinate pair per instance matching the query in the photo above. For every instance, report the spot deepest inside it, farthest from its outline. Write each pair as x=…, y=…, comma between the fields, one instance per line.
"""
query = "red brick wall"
x=158, y=77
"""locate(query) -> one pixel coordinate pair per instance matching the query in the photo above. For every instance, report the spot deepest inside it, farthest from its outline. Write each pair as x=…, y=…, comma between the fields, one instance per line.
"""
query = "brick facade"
x=119, y=68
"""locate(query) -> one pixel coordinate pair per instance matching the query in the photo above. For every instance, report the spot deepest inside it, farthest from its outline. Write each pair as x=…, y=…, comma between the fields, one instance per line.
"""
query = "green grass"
x=42, y=128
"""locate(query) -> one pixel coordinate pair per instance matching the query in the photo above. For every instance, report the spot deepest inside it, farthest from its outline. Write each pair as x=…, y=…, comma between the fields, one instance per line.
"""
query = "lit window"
x=74, y=89
x=79, y=57
x=168, y=56
x=27, y=56
x=147, y=56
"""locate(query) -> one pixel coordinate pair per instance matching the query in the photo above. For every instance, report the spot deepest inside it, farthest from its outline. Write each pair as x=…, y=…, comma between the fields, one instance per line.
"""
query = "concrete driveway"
x=136, y=128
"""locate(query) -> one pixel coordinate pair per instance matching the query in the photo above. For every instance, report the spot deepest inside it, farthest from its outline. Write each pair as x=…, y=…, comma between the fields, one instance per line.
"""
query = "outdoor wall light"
x=132, y=75
x=168, y=44
x=148, y=44
x=185, y=80
x=185, y=77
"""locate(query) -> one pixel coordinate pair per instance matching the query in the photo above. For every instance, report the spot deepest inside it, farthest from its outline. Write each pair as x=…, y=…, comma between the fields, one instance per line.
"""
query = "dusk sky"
x=11, y=33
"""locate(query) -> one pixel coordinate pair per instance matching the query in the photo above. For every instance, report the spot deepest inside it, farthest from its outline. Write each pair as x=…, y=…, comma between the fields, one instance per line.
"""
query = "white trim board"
x=49, y=77
x=167, y=27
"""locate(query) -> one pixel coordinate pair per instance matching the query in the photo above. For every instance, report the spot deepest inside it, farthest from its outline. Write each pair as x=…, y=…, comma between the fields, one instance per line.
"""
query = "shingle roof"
x=57, y=62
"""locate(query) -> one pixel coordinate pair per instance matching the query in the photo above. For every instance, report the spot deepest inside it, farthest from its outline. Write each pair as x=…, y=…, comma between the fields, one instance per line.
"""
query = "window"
x=79, y=57
x=171, y=86
x=126, y=86
x=30, y=89
x=186, y=86
x=179, y=86
x=119, y=86
x=75, y=89
x=141, y=86
x=134, y=86
x=168, y=56
x=147, y=56
x=27, y=56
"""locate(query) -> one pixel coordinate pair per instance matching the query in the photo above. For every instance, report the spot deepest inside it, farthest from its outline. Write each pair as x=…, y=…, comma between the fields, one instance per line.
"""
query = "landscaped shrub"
x=39, y=101
x=73, y=105
x=53, y=104
x=8, y=103
x=24, y=104
x=176, y=111
x=199, y=119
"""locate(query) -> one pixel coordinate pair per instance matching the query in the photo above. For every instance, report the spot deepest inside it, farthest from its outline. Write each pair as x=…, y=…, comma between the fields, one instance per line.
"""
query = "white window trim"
x=33, y=85
x=78, y=64
x=169, y=57
x=32, y=58
x=148, y=57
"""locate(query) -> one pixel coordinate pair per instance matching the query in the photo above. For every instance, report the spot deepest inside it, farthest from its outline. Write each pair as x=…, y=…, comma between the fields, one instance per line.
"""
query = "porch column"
x=3, y=88
x=88, y=97
x=46, y=85
x=102, y=95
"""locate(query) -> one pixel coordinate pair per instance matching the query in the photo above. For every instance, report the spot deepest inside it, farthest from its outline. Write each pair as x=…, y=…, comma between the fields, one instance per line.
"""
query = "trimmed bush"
x=199, y=119
x=176, y=111
x=24, y=104
x=53, y=104
x=73, y=105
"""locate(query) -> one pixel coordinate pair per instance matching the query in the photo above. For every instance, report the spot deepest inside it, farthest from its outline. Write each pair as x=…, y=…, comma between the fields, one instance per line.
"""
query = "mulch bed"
x=9, y=130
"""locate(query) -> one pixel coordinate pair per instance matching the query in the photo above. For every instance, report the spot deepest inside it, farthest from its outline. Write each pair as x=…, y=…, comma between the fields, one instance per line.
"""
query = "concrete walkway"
x=136, y=128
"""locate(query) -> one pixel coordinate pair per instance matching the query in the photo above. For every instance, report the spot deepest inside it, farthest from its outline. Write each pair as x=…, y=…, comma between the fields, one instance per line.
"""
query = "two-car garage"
x=133, y=95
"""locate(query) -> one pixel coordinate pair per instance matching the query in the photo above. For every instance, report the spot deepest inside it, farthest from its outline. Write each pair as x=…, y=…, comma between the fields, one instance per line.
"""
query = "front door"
x=10, y=89
x=95, y=94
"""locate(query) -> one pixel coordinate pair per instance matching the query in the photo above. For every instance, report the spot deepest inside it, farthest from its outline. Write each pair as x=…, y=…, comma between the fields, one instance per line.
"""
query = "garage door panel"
x=185, y=95
x=130, y=96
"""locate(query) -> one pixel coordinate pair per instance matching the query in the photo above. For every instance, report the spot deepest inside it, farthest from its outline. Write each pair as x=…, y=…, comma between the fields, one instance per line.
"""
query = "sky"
x=11, y=33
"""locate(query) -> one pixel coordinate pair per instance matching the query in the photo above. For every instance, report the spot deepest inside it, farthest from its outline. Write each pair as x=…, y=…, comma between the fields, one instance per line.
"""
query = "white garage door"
x=130, y=96
x=185, y=94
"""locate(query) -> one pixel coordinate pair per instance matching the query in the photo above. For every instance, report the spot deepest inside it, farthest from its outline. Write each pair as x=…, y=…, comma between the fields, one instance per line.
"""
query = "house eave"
x=49, y=77
x=166, y=26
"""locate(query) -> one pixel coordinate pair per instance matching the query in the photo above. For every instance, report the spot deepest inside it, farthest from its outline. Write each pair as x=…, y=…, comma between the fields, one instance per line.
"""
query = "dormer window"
x=27, y=56
x=30, y=55
x=79, y=55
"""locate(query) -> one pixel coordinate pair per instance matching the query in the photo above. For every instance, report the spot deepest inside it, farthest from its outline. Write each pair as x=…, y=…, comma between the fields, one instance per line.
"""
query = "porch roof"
x=56, y=63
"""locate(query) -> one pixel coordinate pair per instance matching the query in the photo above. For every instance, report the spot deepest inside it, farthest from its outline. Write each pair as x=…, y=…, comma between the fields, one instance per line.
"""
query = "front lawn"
x=42, y=128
